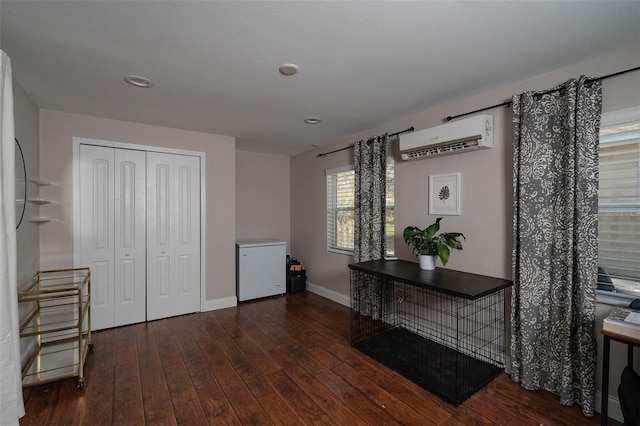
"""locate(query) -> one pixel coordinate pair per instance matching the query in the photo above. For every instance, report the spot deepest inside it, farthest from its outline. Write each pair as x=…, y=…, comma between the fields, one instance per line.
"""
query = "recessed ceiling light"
x=312, y=120
x=138, y=81
x=289, y=69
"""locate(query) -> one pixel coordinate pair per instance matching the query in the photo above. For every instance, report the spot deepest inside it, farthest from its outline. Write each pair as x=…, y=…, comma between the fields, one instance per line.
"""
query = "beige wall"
x=486, y=196
x=26, y=116
x=262, y=196
x=56, y=237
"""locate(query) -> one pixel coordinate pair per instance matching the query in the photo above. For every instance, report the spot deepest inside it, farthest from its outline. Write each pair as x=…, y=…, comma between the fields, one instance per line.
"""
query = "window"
x=619, y=204
x=341, y=206
x=340, y=210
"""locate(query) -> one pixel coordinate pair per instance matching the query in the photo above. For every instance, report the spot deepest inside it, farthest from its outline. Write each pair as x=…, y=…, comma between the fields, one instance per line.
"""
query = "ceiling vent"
x=451, y=138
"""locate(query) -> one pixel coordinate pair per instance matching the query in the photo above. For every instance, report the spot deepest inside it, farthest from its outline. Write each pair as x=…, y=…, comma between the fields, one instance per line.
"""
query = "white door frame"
x=203, y=198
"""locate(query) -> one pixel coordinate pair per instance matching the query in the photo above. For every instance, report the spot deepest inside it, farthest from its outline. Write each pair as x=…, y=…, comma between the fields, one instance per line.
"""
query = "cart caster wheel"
x=80, y=385
x=90, y=346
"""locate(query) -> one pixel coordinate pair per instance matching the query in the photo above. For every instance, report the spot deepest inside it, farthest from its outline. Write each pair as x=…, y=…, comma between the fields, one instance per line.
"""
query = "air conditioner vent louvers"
x=440, y=150
x=451, y=138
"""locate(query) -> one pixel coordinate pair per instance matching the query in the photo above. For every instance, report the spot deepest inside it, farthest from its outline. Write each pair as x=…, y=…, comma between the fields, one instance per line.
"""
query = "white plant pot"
x=427, y=263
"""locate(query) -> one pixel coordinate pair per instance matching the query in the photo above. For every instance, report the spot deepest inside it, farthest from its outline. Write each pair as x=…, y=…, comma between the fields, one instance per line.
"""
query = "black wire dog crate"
x=444, y=330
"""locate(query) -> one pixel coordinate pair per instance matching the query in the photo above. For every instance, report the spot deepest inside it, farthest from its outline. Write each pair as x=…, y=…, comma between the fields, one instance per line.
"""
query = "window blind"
x=619, y=204
x=340, y=210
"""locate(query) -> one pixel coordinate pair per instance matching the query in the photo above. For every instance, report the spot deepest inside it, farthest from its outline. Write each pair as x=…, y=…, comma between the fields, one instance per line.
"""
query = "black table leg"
x=605, y=381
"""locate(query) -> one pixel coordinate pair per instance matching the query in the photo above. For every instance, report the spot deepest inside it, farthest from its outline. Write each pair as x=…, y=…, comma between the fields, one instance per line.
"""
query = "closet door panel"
x=130, y=236
x=96, y=228
x=163, y=282
x=160, y=235
x=100, y=293
x=173, y=235
x=188, y=233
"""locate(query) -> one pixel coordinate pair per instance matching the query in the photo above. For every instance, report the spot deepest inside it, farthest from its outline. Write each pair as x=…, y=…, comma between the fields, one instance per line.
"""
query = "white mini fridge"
x=260, y=268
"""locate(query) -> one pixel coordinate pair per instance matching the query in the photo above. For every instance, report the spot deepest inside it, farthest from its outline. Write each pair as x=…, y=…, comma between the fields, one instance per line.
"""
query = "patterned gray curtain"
x=370, y=198
x=369, y=239
x=555, y=247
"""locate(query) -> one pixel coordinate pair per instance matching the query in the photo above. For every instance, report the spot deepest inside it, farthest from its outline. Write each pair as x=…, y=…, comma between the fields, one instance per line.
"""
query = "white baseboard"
x=222, y=303
x=614, y=410
x=329, y=294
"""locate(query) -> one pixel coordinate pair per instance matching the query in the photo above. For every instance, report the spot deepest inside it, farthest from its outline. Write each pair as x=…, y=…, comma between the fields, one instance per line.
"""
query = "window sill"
x=614, y=299
x=340, y=251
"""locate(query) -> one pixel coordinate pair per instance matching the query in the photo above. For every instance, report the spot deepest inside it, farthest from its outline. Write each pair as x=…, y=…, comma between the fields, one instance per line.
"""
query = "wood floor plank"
x=244, y=404
x=503, y=410
x=42, y=404
x=184, y=399
x=497, y=412
x=249, y=373
x=330, y=404
x=126, y=345
x=544, y=404
x=396, y=408
x=105, y=350
x=99, y=395
x=471, y=418
x=279, y=360
x=306, y=408
x=128, y=393
x=156, y=399
x=216, y=406
x=279, y=412
x=248, y=338
x=70, y=407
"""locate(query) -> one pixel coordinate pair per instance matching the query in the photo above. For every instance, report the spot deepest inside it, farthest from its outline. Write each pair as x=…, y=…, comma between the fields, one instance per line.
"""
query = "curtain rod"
x=410, y=129
x=508, y=103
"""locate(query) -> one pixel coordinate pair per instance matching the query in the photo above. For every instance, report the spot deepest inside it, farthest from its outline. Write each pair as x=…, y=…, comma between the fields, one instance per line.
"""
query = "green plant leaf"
x=432, y=229
x=443, y=253
x=451, y=240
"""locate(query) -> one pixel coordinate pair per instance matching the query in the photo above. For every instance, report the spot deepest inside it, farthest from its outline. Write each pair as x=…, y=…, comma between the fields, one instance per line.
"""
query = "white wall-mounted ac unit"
x=450, y=138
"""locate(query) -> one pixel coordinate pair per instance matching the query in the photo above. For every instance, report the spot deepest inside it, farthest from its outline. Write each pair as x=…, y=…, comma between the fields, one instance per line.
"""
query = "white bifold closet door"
x=173, y=235
x=139, y=233
x=113, y=234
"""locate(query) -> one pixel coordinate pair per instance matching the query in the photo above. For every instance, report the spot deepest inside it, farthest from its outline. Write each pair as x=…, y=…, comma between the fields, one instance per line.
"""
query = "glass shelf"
x=40, y=182
x=55, y=361
x=40, y=219
x=39, y=200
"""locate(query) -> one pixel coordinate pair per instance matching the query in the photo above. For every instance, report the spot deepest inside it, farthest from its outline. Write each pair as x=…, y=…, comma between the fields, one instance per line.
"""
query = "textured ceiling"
x=215, y=64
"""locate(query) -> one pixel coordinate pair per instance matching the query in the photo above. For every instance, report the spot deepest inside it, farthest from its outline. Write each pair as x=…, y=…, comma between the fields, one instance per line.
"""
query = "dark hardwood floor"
x=282, y=360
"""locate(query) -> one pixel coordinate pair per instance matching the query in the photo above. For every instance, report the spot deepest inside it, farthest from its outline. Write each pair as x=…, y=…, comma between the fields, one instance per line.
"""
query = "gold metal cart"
x=58, y=323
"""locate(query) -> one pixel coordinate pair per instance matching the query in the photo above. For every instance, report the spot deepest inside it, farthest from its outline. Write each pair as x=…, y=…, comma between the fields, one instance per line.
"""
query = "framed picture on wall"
x=444, y=194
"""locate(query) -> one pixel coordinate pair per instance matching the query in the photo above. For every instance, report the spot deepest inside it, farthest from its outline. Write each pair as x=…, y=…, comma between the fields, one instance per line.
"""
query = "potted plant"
x=426, y=244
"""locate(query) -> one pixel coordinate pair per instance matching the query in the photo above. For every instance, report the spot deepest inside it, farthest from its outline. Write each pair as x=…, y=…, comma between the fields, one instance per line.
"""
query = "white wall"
x=262, y=197
x=56, y=237
x=486, y=195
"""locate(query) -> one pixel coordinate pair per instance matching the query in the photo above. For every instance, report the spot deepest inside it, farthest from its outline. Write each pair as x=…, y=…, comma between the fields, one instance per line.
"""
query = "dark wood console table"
x=442, y=329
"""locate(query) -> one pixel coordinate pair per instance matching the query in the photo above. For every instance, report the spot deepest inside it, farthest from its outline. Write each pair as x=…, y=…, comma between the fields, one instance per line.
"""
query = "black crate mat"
x=449, y=374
